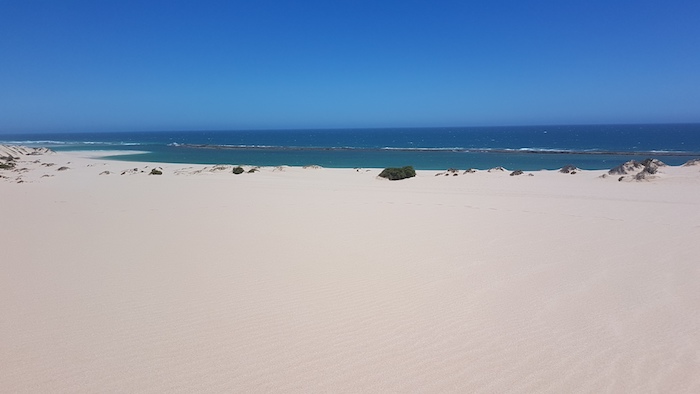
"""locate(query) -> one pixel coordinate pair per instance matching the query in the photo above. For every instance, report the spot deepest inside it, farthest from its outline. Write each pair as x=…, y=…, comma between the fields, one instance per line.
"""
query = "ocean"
x=525, y=147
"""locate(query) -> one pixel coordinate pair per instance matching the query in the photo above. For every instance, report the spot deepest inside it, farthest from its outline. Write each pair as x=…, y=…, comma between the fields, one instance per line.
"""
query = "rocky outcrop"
x=569, y=169
x=652, y=162
x=131, y=171
x=643, y=175
x=640, y=171
x=625, y=168
x=692, y=162
x=7, y=163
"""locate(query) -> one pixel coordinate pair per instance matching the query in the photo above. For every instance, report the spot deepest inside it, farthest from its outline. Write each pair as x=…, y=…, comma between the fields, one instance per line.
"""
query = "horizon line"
x=216, y=130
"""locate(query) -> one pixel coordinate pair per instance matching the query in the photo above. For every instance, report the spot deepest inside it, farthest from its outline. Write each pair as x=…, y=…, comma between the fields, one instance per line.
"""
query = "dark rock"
x=652, y=162
x=568, y=169
x=642, y=175
x=692, y=162
x=626, y=168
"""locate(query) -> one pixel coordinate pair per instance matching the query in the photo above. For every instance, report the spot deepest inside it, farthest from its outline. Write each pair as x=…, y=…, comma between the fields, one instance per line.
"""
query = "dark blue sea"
x=526, y=147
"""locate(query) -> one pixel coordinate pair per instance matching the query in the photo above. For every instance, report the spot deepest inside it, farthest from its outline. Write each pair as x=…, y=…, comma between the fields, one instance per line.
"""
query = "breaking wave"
x=433, y=149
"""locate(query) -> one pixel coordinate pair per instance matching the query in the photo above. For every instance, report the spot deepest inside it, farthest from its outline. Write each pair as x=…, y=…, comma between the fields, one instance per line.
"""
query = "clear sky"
x=204, y=65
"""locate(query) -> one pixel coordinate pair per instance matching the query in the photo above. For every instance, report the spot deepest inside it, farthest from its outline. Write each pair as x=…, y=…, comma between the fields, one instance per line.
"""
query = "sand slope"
x=320, y=280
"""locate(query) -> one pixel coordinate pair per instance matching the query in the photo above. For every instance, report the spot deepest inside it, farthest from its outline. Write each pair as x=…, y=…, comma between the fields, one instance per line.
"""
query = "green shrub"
x=254, y=169
x=7, y=166
x=156, y=171
x=395, y=174
x=238, y=170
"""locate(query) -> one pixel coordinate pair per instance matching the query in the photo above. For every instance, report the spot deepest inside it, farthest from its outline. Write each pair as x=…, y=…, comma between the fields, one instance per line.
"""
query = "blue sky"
x=187, y=65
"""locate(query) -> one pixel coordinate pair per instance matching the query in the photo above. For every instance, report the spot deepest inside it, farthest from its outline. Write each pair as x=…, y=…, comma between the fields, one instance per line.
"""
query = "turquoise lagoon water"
x=525, y=147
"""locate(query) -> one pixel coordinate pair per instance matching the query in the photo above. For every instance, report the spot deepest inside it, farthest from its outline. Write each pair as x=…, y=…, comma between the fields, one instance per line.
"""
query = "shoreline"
x=295, y=279
x=527, y=160
x=104, y=159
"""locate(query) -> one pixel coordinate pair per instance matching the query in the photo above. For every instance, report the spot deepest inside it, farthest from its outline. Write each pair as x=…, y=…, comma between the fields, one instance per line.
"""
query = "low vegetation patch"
x=156, y=171
x=238, y=170
x=395, y=174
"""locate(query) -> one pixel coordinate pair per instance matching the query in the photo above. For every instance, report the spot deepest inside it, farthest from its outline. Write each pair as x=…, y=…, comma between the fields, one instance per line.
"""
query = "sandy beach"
x=293, y=279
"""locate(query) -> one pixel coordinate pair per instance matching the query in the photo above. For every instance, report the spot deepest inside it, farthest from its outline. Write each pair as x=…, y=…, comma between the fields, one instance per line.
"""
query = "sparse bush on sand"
x=156, y=171
x=395, y=174
x=238, y=170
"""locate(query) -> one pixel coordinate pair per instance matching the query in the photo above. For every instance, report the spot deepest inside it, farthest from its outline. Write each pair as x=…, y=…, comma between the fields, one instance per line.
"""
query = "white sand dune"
x=335, y=281
x=19, y=151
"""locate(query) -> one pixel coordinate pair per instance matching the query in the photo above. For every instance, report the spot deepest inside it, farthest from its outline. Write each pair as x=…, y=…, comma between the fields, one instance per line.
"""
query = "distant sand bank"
x=291, y=279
